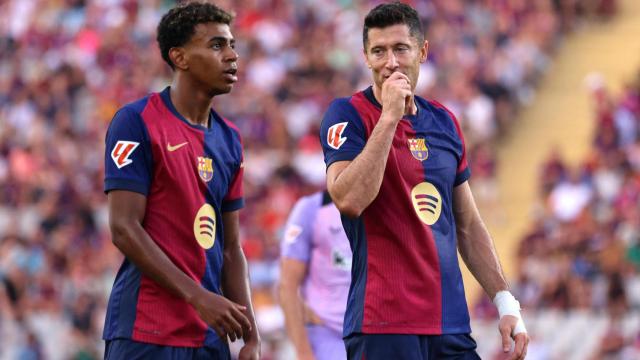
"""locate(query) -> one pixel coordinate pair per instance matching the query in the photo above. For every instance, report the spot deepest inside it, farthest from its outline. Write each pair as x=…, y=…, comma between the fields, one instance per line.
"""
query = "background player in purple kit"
x=315, y=264
x=174, y=182
x=397, y=170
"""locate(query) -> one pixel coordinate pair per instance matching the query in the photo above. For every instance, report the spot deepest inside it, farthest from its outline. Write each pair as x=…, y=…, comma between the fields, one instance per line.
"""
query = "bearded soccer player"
x=174, y=182
x=397, y=171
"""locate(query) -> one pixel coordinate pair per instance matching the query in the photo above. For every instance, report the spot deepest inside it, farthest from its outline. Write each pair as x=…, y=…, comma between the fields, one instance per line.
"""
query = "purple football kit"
x=314, y=235
x=190, y=175
x=405, y=273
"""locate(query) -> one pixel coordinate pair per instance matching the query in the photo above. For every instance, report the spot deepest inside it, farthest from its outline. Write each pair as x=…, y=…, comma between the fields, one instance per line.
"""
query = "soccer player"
x=397, y=171
x=316, y=263
x=173, y=175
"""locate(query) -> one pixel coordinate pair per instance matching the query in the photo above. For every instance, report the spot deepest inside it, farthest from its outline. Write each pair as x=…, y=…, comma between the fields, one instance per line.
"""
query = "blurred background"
x=548, y=93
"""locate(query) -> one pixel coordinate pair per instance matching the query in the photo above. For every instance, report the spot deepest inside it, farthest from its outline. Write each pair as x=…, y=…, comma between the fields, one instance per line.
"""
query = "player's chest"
x=419, y=152
x=193, y=161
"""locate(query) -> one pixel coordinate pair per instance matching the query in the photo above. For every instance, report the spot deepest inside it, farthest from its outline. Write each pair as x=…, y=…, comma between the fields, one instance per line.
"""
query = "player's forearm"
x=133, y=241
x=474, y=242
x=359, y=183
x=236, y=287
x=479, y=253
x=293, y=309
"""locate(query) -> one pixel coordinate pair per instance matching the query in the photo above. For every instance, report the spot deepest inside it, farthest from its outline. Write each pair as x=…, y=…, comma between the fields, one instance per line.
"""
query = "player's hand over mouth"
x=396, y=96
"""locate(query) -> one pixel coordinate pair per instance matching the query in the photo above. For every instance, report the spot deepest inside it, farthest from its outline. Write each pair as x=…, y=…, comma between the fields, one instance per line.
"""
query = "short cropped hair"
x=178, y=25
x=389, y=14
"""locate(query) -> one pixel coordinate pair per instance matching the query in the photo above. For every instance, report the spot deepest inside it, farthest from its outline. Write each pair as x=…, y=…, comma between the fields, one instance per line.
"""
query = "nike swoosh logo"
x=175, y=147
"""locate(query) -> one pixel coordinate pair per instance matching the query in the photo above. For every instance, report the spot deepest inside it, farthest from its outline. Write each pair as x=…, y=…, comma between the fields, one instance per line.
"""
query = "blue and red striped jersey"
x=190, y=175
x=405, y=273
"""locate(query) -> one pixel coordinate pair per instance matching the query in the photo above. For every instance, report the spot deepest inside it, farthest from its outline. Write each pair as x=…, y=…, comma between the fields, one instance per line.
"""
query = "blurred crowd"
x=66, y=66
x=582, y=251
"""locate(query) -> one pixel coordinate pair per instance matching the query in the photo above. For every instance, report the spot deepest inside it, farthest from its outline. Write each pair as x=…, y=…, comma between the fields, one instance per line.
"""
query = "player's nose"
x=232, y=54
x=392, y=61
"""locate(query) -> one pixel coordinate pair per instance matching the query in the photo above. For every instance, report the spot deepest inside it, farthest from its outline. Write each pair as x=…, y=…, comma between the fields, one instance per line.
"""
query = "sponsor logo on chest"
x=339, y=260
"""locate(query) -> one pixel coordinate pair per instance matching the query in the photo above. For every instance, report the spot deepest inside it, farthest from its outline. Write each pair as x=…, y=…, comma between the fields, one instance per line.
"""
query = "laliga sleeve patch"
x=121, y=152
x=291, y=233
x=334, y=135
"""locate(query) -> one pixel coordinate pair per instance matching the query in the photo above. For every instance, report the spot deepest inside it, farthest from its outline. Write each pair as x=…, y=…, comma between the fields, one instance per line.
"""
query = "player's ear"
x=178, y=58
x=366, y=58
x=424, y=50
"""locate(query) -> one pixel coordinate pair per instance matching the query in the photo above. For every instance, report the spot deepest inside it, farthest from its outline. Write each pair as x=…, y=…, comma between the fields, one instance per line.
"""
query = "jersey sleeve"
x=128, y=161
x=298, y=231
x=234, y=200
x=463, y=172
x=342, y=133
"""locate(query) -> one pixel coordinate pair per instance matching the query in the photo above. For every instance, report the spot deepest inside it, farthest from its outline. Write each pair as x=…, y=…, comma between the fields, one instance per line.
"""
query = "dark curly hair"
x=390, y=14
x=178, y=25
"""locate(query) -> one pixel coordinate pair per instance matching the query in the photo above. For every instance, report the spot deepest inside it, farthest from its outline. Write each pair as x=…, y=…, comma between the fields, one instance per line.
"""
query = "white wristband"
x=508, y=305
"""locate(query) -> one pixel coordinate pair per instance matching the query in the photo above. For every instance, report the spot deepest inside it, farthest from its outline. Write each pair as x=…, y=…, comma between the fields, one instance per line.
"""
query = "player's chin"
x=222, y=89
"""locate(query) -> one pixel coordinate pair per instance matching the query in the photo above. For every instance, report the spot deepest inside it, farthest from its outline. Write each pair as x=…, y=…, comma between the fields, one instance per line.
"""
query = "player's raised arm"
x=479, y=253
x=353, y=185
x=235, y=284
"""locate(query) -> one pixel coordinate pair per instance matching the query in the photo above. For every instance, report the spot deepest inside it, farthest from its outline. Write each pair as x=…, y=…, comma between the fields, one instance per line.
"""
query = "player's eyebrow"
x=384, y=46
x=222, y=39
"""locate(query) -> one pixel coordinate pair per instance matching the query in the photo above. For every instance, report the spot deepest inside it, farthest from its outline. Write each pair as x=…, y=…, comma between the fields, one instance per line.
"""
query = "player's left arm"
x=235, y=281
x=478, y=252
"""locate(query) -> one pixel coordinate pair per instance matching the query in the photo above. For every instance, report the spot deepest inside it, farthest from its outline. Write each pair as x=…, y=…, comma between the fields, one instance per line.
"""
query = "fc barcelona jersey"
x=405, y=273
x=190, y=175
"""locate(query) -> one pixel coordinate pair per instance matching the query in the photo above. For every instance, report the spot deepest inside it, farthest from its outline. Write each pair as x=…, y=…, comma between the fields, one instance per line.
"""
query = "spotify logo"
x=204, y=226
x=427, y=202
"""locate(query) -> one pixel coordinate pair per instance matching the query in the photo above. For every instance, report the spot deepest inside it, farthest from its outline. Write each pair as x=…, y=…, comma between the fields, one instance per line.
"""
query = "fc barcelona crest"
x=205, y=168
x=418, y=149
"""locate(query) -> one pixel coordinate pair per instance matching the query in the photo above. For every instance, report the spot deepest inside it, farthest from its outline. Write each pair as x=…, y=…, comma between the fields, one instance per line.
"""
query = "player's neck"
x=194, y=106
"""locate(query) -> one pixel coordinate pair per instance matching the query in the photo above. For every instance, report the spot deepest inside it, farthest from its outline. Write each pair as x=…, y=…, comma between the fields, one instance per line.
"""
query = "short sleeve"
x=234, y=200
x=298, y=231
x=342, y=133
x=128, y=160
x=463, y=173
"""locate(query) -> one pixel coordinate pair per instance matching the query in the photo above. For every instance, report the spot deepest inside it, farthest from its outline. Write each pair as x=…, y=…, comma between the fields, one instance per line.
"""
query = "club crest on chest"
x=205, y=168
x=418, y=148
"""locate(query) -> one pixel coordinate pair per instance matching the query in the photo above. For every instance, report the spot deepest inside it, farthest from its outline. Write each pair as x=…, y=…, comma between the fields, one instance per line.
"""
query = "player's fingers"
x=401, y=82
x=518, y=349
x=228, y=329
x=526, y=347
x=242, y=319
x=399, y=75
x=235, y=326
x=505, y=332
x=239, y=307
